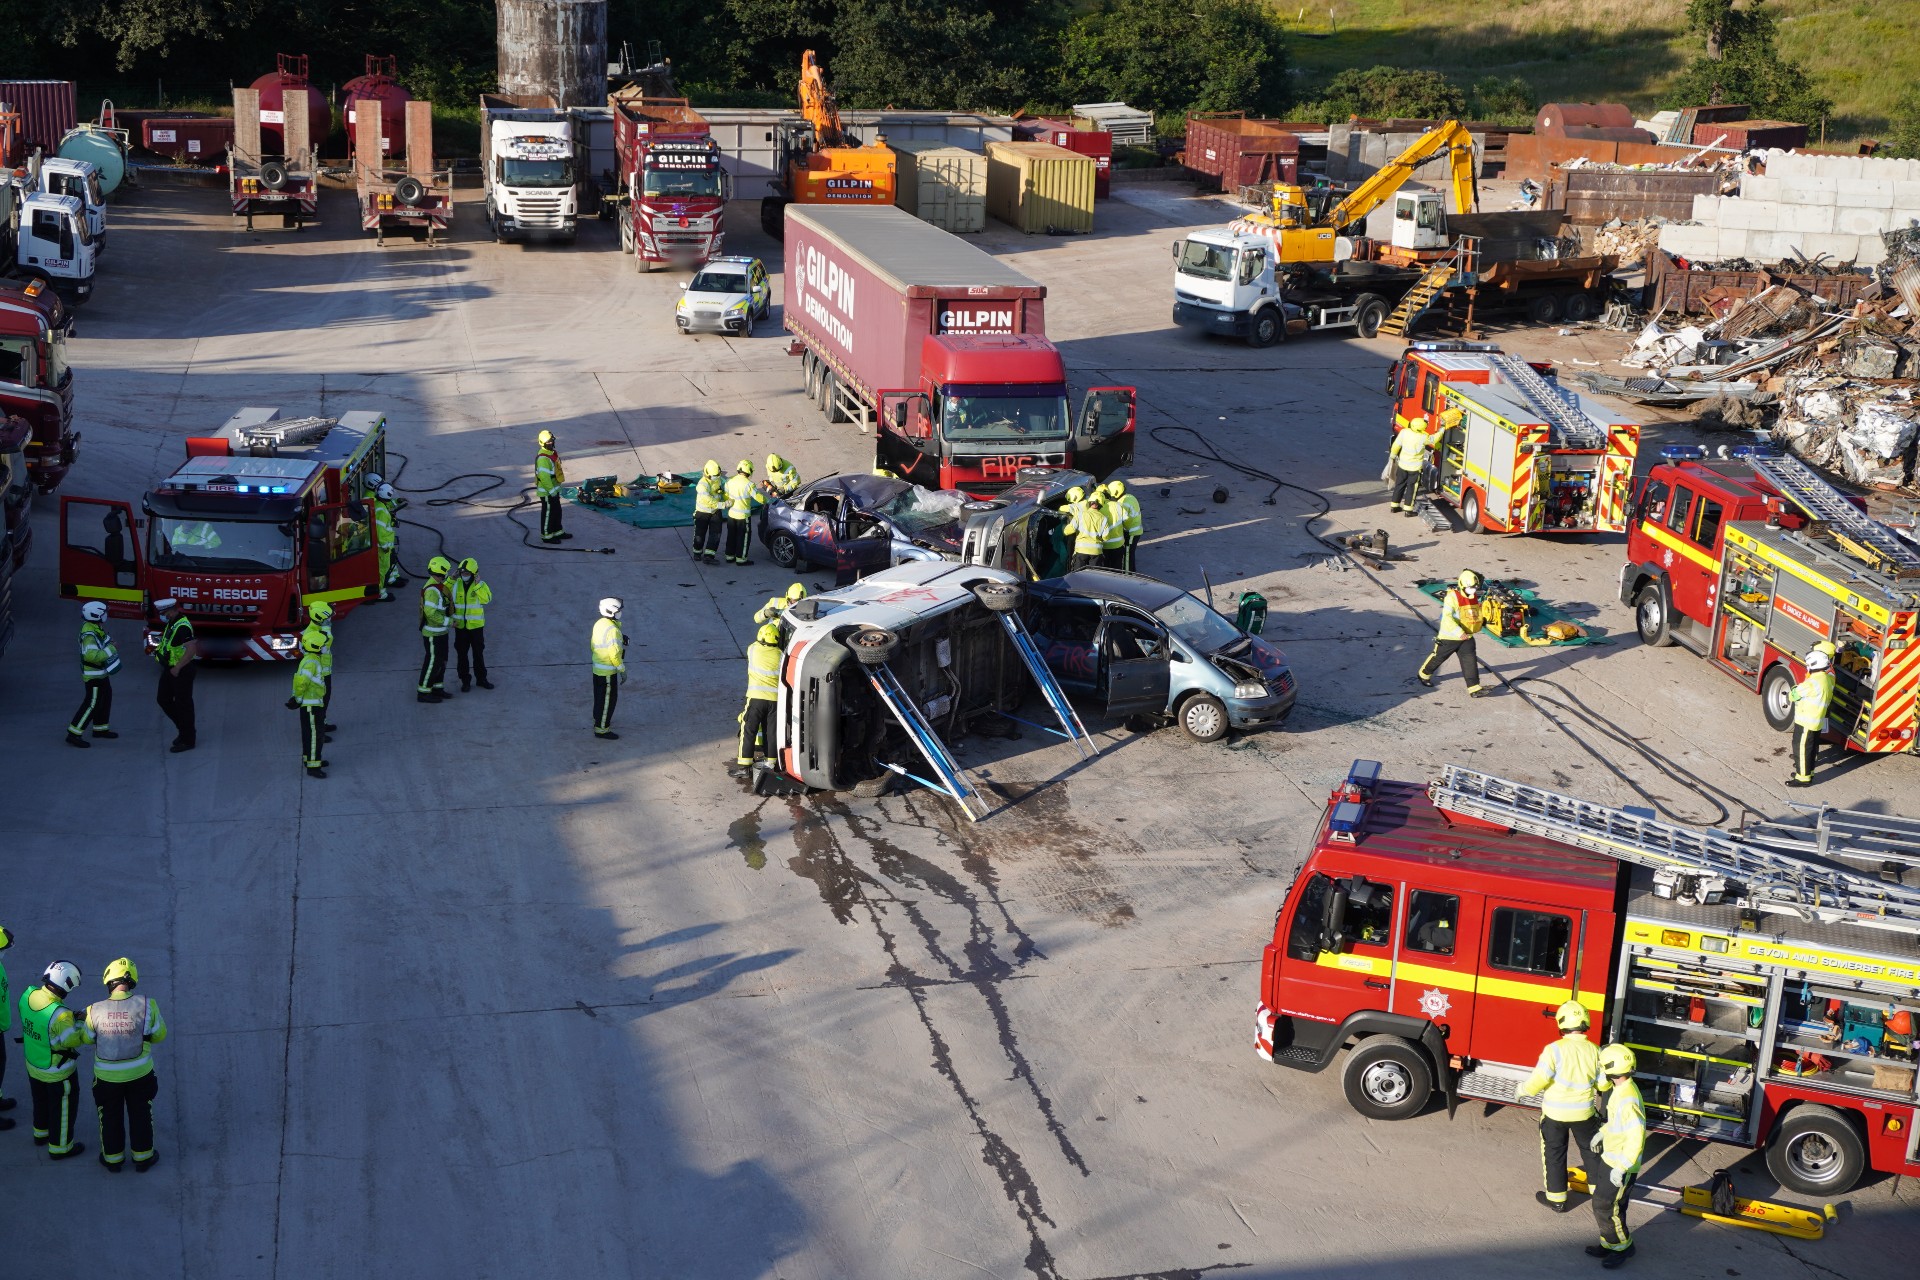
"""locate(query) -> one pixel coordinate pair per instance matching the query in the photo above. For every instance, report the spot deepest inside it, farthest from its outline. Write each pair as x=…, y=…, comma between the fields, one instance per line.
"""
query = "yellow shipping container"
x=1036, y=186
x=943, y=185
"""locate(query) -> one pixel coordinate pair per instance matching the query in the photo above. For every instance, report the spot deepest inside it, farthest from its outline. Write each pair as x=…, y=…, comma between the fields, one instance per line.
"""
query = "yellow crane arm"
x=1450, y=136
x=817, y=105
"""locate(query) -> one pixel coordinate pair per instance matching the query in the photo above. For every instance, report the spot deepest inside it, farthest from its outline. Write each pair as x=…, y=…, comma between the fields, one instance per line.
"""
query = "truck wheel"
x=1653, y=616
x=1776, y=702
x=785, y=550
x=626, y=236
x=1387, y=1078
x=830, y=397
x=1576, y=307
x=873, y=645
x=1204, y=717
x=1372, y=313
x=1816, y=1151
x=1544, y=309
x=1000, y=597
x=1470, y=510
x=1267, y=329
x=806, y=373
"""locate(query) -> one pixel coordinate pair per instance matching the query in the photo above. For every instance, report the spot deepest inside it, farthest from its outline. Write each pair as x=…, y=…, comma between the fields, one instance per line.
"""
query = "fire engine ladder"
x=1070, y=727
x=1866, y=537
x=952, y=779
x=1416, y=299
x=278, y=433
x=1780, y=868
x=1554, y=403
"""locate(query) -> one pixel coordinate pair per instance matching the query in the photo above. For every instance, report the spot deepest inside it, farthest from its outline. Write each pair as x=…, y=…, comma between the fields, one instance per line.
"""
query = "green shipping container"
x=943, y=185
x=1036, y=187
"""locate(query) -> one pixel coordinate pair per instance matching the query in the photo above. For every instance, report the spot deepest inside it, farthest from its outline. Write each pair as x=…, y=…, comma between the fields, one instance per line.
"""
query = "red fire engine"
x=265, y=518
x=1768, y=987
x=1752, y=560
x=35, y=380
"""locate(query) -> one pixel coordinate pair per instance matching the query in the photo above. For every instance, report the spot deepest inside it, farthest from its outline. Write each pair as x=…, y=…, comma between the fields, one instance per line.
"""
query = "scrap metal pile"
x=1835, y=384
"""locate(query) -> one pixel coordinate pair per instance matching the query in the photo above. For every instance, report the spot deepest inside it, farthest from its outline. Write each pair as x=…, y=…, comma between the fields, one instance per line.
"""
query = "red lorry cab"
x=36, y=382
x=673, y=190
x=265, y=518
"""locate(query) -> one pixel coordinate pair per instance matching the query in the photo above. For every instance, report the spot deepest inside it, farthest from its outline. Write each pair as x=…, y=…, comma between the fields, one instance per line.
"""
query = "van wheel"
x=1000, y=597
x=1576, y=307
x=1776, y=701
x=1267, y=329
x=1371, y=314
x=1816, y=1151
x=1387, y=1078
x=873, y=645
x=1544, y=309
x=785, y=550
x=1204, y=717
x=1653, y=616
x=1470, y=510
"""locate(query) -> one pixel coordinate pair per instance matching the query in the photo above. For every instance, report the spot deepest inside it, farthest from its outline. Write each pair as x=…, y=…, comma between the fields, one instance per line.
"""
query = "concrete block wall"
x=1813, y=204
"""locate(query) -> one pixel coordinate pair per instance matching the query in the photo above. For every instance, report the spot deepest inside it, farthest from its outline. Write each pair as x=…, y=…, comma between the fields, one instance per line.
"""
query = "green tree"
x=135, y=28
x=1389, y=93
x=937, y=54
x=1177, y=55
x=1739, y=63
x=1903, y=130
x=1503, y=100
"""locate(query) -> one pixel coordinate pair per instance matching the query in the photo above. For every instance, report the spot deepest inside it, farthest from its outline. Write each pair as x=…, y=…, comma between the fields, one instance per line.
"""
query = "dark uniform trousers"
x=1553, y=1151
x=606, y=696
x=176, y=700
x=53, y=1102
x=1610, y=1206
x=96, y=705
x=126, y=1114
x=1085, y=559
x=756, y=721
x=433, y=663
x=1406, y=487
x=1806, y=746
x=470, y=645
x=736, y=539
x=550, y=516
x=1444, y=649
x=706, y=532
x=311, y=734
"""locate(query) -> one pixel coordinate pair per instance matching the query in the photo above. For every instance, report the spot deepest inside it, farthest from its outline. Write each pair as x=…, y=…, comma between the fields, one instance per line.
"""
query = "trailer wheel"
x=1653, y=616
x=873, y=645
x=1470, y=510
x=1816, y=1151
x=274, y=175
x=1576, y=307
x=1776, y=698
x=1267, y=329
x=806, y=372
x=1387, y=1078
x=830, y=396
x=1371, y=314
x=1544, y=309
x=785, y=550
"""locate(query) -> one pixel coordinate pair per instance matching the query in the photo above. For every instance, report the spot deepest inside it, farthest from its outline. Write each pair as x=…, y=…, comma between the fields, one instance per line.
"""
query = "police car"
x=726, y=296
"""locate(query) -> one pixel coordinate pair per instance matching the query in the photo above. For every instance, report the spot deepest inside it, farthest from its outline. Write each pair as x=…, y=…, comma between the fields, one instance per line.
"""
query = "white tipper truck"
x=533, y=191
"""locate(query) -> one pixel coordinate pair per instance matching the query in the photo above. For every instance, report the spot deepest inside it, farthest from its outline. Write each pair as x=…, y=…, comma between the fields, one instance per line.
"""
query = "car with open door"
x=863, y=523
x=1133, y=645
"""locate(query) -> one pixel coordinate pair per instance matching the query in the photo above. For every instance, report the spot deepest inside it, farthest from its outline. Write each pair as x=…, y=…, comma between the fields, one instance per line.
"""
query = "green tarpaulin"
x=1541, y=614
x=638, y=502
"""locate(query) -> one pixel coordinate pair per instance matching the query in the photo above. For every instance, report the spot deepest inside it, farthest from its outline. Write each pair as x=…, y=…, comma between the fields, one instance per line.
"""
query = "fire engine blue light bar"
x=1683, y=452
x=1364, y=774
x=1347, y=817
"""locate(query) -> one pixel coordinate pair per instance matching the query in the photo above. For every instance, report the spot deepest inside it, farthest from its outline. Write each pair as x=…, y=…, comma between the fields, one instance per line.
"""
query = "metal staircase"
x=1070, y=727
x=1416, y=299
x=952, y=779
x=1778, y=867
x=1866, y=537
x=1553, y=402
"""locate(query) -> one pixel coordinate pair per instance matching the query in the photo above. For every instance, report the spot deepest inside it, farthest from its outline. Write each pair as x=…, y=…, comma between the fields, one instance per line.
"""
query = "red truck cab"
x=673, y=190
x=36, y=382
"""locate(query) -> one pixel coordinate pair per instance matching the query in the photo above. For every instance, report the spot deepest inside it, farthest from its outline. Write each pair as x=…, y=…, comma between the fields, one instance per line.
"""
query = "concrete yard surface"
x=499, y=999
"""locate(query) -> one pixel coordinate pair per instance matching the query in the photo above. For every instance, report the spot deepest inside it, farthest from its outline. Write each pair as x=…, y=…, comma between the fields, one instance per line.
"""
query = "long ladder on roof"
x=1866, y=537
x=1781, y=867
x=1070, y=727
x=952, y=779
x=1553, y=402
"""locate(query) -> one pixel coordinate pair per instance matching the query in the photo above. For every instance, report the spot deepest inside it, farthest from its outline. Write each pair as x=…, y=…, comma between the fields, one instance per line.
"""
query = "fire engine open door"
x=100, y=555
x=1103, y=433
x=338, y=559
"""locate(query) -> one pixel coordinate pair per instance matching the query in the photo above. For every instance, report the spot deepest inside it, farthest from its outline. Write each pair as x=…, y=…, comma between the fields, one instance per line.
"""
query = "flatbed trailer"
x=420, y=199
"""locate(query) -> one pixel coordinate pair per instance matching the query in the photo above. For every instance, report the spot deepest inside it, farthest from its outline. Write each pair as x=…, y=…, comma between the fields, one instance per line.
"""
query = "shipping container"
x=746, y=135
x=1036, y=186
x=1750, y=135
x=943, y=186
x=1129, y=128
x=201, y=140
x=891, y=279
x=1097, y=143
x=46, y=109
x=1229, y=149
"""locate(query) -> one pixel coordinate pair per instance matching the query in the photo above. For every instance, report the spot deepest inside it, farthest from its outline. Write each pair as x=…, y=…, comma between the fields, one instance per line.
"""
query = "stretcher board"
x=1543, y=613
x=1697, y=1202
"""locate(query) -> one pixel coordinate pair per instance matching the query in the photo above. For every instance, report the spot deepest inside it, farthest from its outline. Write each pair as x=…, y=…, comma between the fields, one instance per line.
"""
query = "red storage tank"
x=290, y=78
x=196, y=139
x=379, y=85
x=1097, y=143
x=1556, y=118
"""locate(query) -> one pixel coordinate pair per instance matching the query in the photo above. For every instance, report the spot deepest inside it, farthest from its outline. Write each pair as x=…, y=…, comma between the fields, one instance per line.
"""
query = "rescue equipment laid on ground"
x=1730, y=1210
x=645, y=502
x=1517, y=617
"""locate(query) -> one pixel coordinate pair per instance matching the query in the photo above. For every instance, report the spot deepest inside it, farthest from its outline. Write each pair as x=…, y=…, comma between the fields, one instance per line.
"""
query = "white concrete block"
x=1805, y=219
x=1761, y=246
x=1690, y=241
x=1785, y=164
x=1837, y=248
x=1835, y=168
x=1864, y=193
x=1873, y=251
x=1761, y=186
x=1885, y=168
x=1815, y=191
x=1709, y=209
x=1860, y=222
x=1732, y=243
x=1906, y=197
x=1758, y=215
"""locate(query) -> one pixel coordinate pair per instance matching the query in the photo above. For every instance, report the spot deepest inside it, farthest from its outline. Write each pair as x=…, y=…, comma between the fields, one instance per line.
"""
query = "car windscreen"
x=1199, y=627
x=918, y=510
x=734, y=282
x=219, y=545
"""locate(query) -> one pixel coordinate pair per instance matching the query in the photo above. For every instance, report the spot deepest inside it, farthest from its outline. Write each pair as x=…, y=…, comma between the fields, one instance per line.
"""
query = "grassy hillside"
x=1862, y=53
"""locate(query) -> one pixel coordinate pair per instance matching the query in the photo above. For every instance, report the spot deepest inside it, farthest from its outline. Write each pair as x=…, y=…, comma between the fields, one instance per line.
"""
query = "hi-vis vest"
x=1624, y=1135
x=1811, y=698
x=1569, y=1072
x=1088, y=527
x=709, y=495
x=1130, y=512
x=98, y=658
x=741, y=498
x=119, y=1030
x=433, y=609
x=1410, y=449
x=470, y=601
x=1458, y=618
x=52, y=1041
x=609, y=647
x=173, y=641
x=763, y=671
x=548, y=474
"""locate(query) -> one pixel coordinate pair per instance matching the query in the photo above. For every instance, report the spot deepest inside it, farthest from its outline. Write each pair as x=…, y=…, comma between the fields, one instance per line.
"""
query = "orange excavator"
x=818, y=160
